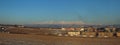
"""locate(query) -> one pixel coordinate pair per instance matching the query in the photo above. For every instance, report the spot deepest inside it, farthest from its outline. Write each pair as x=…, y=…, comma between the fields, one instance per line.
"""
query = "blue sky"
x=36, y=11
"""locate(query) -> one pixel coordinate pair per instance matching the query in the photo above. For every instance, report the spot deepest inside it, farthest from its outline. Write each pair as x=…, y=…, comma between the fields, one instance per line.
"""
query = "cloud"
x=59, y=22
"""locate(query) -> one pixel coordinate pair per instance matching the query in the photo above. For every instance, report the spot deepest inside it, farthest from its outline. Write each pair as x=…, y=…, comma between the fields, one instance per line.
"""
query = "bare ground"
x=27, y=39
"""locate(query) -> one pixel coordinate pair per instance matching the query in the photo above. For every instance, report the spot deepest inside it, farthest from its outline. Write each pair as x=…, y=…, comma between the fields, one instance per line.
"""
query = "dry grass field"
x=27, y=36
x=29, y=39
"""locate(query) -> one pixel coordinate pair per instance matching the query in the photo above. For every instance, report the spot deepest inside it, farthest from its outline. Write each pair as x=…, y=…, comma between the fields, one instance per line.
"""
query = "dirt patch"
x=27, y=39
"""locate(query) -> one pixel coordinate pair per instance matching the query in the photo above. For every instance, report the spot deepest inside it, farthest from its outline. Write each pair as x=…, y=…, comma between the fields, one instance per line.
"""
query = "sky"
x=74, y=11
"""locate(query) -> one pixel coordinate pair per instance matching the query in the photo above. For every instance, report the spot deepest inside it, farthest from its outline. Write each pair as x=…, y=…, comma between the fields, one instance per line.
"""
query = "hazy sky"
x=36, y=11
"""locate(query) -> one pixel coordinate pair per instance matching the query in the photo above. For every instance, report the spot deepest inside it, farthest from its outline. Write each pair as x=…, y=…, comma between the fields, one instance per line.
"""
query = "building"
x=73, y=33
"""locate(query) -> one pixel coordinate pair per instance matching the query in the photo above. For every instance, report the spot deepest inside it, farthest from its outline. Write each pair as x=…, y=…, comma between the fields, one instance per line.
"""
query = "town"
x=69, y=31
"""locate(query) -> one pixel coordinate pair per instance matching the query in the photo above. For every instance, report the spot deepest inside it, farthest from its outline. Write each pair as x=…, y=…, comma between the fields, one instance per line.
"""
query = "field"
x=30, y=39
x=30, y=36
